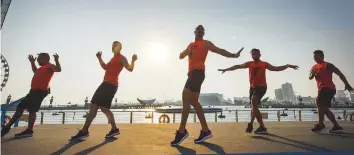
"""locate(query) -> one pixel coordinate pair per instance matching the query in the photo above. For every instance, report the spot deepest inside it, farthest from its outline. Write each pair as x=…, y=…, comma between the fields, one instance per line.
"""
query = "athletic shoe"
x=179, y=138
x=249, y=128
x=261, y=130
x=23, y=134
x=336, y=129
x=203, y=136
x=113, y=133
x=4, y=131
x=318, y=128
x=80, y=135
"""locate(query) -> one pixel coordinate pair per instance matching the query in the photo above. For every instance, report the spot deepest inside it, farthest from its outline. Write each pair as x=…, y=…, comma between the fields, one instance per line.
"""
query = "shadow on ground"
x=184, y=150
x=294, y=143
x=93, y=148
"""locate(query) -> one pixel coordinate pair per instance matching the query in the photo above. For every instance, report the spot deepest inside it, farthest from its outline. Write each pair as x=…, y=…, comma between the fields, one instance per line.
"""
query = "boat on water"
x=178, y=109
x=55, y=114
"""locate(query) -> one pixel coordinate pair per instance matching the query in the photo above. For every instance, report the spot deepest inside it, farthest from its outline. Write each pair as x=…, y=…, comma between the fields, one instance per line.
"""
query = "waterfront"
x=138, y=115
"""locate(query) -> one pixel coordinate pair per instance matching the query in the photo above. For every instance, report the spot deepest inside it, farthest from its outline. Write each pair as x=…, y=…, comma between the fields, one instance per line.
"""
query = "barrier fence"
x=150, y=116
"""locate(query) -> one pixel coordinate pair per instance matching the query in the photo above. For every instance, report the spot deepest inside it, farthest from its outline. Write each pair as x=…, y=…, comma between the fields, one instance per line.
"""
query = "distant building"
x=341, y=97
x=340, y=94
x=288, y=92
x=279, y=94
x=146, y=102
x=212, y=99
x=351, y=96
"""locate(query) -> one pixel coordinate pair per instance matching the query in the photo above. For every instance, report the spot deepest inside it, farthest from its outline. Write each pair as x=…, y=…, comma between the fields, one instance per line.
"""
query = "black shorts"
x=325, y=96
x=104, y=95
x=259, y=91
x=33, y=100
x=195, y=80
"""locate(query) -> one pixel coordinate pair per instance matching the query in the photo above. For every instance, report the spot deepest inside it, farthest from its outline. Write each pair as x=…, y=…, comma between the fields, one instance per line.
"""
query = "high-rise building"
x=288, y=92
x=279, y=94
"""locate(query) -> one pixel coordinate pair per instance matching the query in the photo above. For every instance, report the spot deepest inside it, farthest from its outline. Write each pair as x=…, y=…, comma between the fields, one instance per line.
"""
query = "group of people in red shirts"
x=196, y=52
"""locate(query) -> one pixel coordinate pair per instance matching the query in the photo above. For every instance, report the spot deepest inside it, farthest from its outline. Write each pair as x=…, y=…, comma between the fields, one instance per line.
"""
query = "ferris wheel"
x=5, y=72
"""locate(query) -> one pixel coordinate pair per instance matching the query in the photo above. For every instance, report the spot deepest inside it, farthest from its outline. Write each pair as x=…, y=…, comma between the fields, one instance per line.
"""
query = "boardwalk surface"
x=145, y=139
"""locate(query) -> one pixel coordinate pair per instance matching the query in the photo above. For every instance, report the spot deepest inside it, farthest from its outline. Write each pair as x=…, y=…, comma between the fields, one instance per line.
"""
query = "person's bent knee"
x=254, y=101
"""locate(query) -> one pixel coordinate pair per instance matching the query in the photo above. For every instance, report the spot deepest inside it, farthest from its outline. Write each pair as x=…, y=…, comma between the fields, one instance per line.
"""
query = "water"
x=123, y=116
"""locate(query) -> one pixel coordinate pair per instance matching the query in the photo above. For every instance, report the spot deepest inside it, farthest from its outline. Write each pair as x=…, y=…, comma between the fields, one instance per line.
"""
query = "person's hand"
x=134, y=57
x=222, y=70
x=56, y=57
x=190, y=49
x=99, y=54
x=314, y=72
x=31, y=58
x=349, y=88
x=293, y=67
x=238, y=53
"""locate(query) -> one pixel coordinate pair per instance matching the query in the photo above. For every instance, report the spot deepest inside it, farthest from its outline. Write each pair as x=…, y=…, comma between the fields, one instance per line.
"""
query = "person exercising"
x=197, y=53
x=39, y=90
x=322, y=71
x=105, y=92
x=257, y=74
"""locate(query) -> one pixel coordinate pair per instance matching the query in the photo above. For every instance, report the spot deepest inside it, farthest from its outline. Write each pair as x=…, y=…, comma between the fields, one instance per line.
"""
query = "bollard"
x=174, y=117
x=63, y=120
x=345, y=115
x=278, y=115
x=131, y=117
x=236, y=115
x=42, y=115
x=152, y=117
x=195, y=117
x=300, y=119
x=216, y=117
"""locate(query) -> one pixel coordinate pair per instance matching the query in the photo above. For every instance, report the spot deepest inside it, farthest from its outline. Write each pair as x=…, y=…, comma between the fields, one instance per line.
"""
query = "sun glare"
x=157, y=51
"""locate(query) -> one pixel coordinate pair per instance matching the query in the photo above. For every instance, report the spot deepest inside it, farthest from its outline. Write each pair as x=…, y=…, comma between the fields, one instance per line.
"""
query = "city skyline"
x=285, y=32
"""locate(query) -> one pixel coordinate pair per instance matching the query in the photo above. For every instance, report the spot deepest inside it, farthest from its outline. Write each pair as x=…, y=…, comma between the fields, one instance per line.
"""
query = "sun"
x=157, y=51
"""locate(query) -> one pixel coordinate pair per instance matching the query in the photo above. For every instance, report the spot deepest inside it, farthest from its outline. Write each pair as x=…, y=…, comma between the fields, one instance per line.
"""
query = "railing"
x=298, y=115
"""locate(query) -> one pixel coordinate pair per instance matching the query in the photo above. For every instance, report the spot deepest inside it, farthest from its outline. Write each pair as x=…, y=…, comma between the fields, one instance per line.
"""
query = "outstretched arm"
x=280, y=68
x=129, y=67
x=339, y=73
x=211, y=47
x=242, y=66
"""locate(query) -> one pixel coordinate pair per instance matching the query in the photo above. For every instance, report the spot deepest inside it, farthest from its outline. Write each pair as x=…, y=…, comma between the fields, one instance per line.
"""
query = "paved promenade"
x=146, y=139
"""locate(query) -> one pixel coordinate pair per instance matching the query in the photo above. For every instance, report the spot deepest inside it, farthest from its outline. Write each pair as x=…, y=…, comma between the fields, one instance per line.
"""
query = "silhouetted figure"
x=8, y=99
x=86, y=103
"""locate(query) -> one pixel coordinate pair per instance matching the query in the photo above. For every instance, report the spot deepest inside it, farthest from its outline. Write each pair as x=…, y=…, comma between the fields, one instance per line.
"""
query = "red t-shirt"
x=324, y=76
x=114, y=67
x=42, y=77
x=257, y=73
x=197, y=58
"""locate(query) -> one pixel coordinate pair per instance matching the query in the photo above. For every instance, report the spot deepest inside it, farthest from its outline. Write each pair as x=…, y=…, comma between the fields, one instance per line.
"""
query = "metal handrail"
x=345, y=115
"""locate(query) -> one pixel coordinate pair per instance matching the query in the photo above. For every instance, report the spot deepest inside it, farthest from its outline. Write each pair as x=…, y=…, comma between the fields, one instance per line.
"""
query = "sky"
x=286, y=32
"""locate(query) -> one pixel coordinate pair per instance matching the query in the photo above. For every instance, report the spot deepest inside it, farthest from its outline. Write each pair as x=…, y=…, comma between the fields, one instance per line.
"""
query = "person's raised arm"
x=99, y=56
x=242, y=66
x=33, y=64
x=186, y=52
x=129, y=67
x=211, y=47
x=341, y=76
x=280, y=68
x=57, y=66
